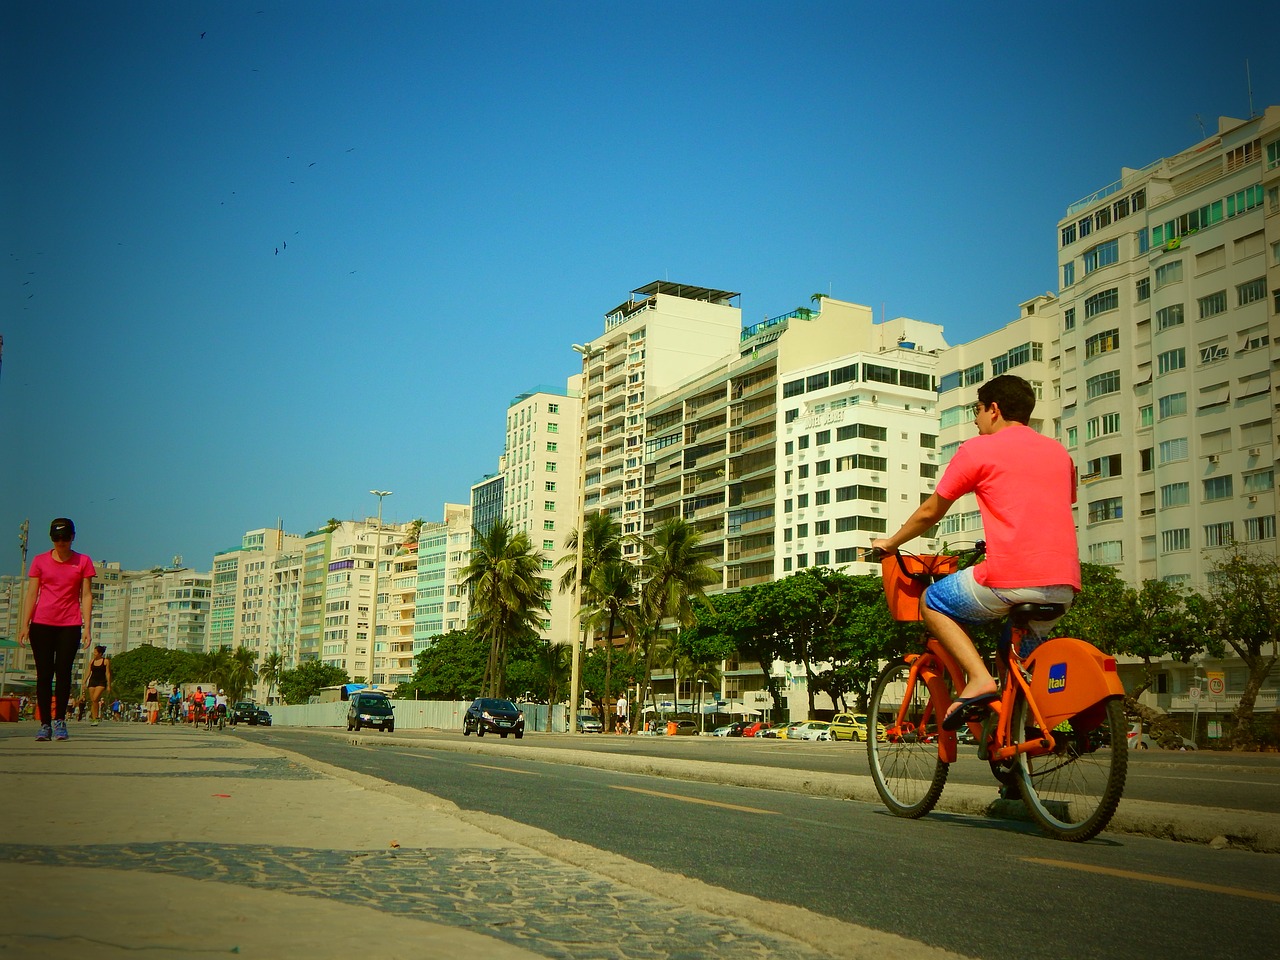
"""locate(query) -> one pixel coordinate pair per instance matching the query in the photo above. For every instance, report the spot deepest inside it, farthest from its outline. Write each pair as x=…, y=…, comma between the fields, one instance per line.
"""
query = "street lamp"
x=373, y=607
x=575, y=660
x=702, y=710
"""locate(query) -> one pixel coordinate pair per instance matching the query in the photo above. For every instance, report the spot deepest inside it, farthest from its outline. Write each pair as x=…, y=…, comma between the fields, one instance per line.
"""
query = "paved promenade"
x=131, y=840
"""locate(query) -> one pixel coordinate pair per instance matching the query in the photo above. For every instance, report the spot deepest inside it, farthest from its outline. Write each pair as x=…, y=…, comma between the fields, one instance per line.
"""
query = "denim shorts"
x=960, y=597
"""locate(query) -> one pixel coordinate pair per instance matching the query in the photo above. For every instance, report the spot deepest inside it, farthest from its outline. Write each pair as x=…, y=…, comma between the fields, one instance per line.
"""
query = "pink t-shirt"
x=58, y=604
x=1025, y=483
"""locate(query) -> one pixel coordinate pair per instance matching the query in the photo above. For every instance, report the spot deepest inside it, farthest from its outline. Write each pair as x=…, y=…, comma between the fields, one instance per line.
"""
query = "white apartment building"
x=663, y=334
x=441, y=601
x=1167, y=354
x=348, y=638
x=858, y=431
x=284, y=606
x=239, y=614
x=159, y=608
x=540, y=486
x=1028, y=347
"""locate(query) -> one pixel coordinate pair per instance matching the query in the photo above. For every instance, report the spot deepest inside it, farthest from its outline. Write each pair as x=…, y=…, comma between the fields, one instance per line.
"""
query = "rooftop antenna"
x=1248, y=79
x=1201, y=122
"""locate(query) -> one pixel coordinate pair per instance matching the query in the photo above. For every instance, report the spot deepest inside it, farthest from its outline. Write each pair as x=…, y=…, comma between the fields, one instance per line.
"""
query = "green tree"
x=451, y=668
x=239, y=673
x=613, y=598
x=132, y=670
x=306, y=680
x=1242, y=608
x=508, y=594
x=272, y=668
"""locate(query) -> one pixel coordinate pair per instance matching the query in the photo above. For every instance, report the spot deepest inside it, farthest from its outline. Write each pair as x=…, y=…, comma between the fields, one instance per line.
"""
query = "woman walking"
x=56, y=621
x=152, y=700
x=97, y=682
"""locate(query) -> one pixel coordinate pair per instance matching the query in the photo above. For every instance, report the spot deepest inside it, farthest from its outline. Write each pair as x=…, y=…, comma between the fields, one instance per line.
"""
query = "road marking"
x=527, y=773
x=415, y=756
x=709, y=803
x=1251, y=783
x=1155, y=878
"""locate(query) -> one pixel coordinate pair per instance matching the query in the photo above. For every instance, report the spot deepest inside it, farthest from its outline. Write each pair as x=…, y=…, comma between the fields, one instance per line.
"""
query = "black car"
x=370, y=710
x=246, y=711
x=489, y=715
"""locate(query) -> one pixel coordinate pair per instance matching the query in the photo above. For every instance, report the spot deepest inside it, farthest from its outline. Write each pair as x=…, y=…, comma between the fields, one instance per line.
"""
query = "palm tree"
x=508, y=594
x=612, y=604
x=272, y=667
x=675, y=575
x=601, y=543
x=333, y=524
x=239, y=674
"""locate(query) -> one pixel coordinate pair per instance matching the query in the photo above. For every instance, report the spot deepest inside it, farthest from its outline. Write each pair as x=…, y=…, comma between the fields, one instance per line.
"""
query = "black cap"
x=62, y=529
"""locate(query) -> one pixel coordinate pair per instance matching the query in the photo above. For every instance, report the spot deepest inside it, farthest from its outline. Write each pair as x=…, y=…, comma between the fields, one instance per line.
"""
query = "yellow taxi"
x=853, y=726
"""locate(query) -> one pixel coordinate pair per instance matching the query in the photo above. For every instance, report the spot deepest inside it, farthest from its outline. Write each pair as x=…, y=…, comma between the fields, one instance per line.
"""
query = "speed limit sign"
x=1217, y=684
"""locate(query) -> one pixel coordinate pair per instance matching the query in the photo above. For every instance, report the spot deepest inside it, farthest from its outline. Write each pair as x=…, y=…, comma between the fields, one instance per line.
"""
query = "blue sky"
x=250, y=275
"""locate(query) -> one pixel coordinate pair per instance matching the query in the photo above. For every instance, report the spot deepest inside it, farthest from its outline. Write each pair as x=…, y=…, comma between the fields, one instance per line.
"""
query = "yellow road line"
x=1155, y=878
x=709, y=803
x=527, y=773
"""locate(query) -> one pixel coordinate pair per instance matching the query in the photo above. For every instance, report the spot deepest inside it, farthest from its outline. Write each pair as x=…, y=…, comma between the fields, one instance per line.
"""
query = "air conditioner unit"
x=1213, y=458
x=1253, y=498
x=1255, y=451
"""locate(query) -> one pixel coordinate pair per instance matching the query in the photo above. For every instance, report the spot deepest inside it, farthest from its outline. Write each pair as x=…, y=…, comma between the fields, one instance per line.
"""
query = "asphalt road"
x=980, y=887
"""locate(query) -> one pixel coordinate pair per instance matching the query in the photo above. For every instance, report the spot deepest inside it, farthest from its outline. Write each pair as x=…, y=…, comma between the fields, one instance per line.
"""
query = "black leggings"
x=55, y=650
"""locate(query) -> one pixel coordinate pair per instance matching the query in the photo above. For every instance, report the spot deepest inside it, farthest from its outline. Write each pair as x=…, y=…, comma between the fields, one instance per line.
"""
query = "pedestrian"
x=153, y=703
x=97, y=682
x=116, y=707
x=57, y=620
x=175, y=705
x=620, y=720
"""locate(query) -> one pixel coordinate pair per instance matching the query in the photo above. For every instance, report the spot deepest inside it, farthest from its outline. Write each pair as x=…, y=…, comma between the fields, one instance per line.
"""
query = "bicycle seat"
x=1023, y=613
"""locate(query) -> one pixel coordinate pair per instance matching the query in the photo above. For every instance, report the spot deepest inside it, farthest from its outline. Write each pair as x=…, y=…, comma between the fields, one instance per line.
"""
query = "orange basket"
x=905, y=578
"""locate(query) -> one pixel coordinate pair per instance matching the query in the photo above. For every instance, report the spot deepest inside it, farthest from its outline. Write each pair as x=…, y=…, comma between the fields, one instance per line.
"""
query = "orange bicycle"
x=1056, y=729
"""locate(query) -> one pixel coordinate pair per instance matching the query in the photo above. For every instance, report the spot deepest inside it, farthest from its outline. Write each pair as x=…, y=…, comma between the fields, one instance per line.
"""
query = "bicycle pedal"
x=988, y=734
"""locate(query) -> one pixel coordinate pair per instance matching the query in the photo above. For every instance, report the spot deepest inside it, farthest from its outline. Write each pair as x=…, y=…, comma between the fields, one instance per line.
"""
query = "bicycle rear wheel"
x=1073, y=791
x=905, y=766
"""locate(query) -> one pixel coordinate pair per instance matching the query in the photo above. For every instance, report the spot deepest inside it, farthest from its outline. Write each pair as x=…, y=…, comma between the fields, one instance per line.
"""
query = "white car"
x=722, y=731
x=810, y=730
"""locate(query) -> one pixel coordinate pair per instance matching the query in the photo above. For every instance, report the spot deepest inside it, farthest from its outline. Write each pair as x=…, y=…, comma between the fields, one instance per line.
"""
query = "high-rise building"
x=239, y=614
x=663, y=334
x=1167, y=354
x=540, y=487
x=441, y=602
x=349, y=629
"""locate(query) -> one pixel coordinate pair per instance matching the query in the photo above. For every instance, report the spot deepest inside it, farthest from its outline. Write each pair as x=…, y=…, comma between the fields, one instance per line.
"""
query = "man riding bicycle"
x=1025, y=484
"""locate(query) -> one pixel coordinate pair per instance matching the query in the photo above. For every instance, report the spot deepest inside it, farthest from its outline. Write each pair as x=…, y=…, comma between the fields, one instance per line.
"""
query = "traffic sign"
x=1217, y=683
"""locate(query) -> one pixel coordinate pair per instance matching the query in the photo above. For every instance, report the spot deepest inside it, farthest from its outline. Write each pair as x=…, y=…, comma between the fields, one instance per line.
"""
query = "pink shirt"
x=1025, y=484
x=58, y=604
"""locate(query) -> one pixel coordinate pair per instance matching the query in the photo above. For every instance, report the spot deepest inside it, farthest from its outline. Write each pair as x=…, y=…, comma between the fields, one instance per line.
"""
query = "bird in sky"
x=202, y=33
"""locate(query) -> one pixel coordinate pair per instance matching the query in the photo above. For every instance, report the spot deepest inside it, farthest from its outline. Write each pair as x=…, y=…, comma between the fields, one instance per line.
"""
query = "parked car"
x=756, y=729
x=853, y=726
x=723, y=731
x=246, y=711
x=589, y=723
x=684, y=728
x=1139, y=740
x=371, y=709
x=490, y=715
x=811, y=730
x=776, y=731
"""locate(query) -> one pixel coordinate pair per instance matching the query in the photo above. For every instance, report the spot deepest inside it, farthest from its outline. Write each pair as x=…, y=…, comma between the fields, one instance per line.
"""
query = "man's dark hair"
x=1012, y=394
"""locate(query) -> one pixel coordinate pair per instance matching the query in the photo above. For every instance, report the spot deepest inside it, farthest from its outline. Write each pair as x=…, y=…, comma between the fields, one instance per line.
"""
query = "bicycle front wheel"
x=1073, y=791
x=906, y=769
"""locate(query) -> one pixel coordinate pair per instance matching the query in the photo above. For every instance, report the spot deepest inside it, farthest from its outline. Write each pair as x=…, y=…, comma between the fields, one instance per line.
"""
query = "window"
x=1252, y=291
x=1168, y=273
x=1101, y=467
x=803, y=442
x=1254, y=338
x=1103, y=342
x=1069, y=318
x=1273, y=155
x=1143, y=289
x=822, y=437
x=1102, y=384
x=821, y=528
x=1102, y=302
x=1244, y=200
x=877, y=374
x=802, y=472
x=1170, y=316
x=1146, y=459
x=1071, y=436
x=1086, y=226
x=1175, y=540
x=550, y=486
x=819, y=381
x=821, y=497
x=1260, y=528
x=1109, y=551
x=1219, y=534
x=553, y=428
x=1218, y=488
x=1069, y=232
x=792, y=388
x=844, y=374
x=1173, y=405
x=1103, y=255
x=1068, y=273
x=1213, y=304
x=1259, y=481
x=549, y=506
x=802, y=530
x=553, y=408
x=929, y=441
x=1175, y=495
x=1102, y=426
x=1171, y=451
x=1145, y=418
x=1109, y=509
x=548, y=524
x=1171, y=360
x=821, y=468
x=1243, y=155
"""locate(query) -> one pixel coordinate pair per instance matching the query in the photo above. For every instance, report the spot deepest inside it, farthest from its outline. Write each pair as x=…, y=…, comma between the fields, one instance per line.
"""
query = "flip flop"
x=965, y=709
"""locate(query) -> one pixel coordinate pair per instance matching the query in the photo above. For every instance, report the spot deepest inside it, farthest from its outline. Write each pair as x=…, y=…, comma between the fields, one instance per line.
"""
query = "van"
x=367, y=709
